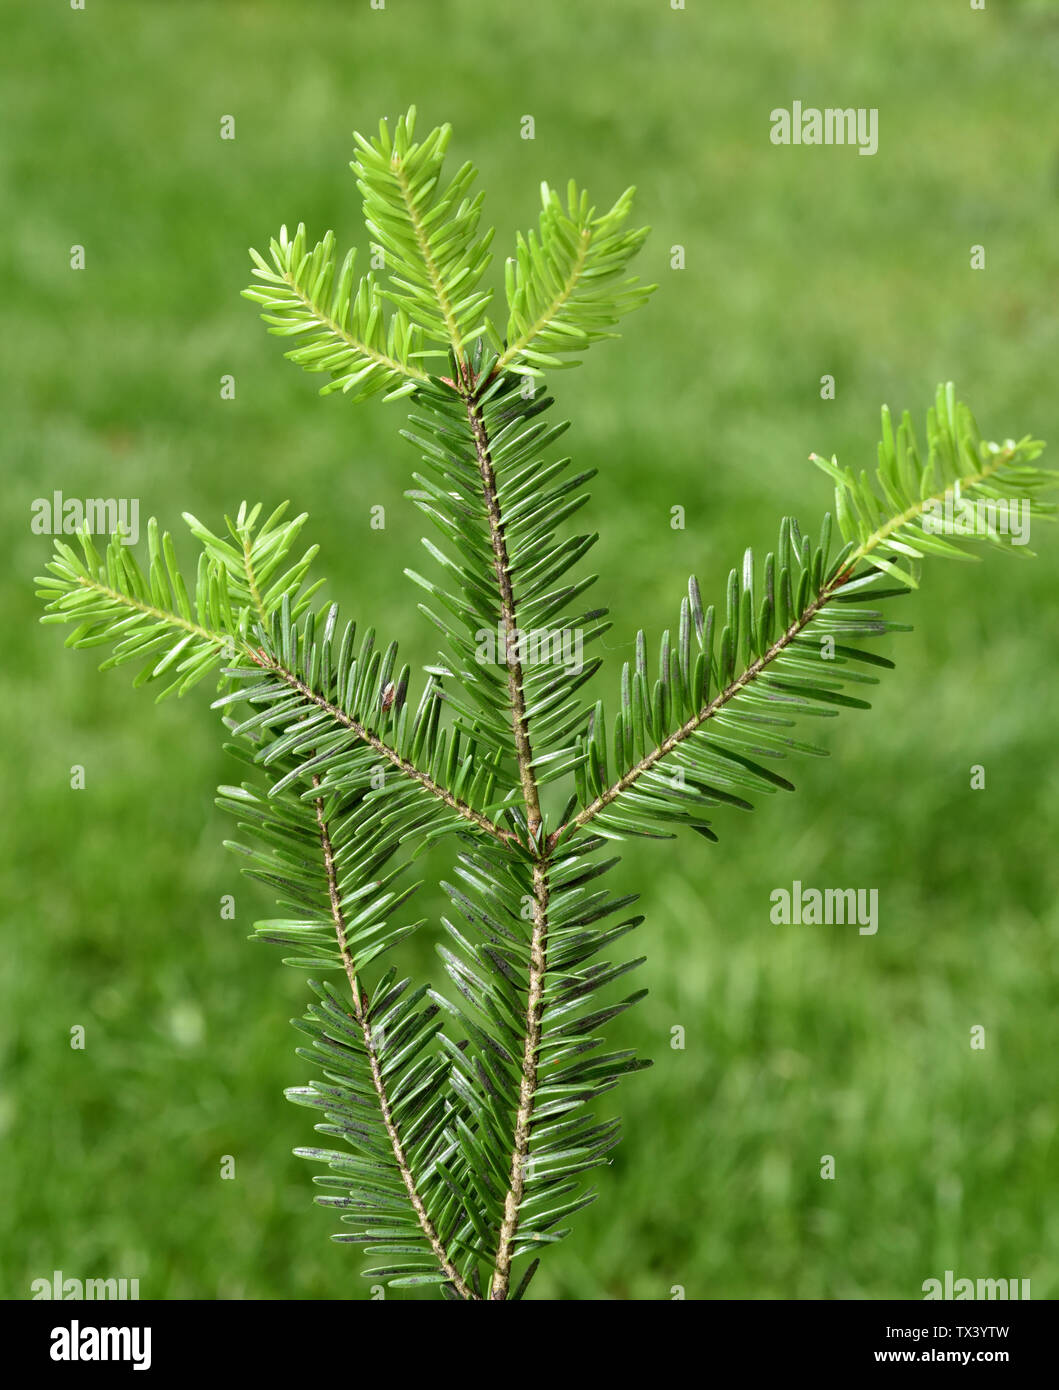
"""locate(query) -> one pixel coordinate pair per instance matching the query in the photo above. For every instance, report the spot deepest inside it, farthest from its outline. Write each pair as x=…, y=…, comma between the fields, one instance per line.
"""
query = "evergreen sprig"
x=339, y=320
x=567, y=284
x=458, y=1130
x=735, y=679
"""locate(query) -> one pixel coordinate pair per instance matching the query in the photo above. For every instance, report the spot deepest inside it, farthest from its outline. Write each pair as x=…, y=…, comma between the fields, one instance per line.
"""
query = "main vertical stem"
x=538, y=961
x=516, y=695
x=528, y=1084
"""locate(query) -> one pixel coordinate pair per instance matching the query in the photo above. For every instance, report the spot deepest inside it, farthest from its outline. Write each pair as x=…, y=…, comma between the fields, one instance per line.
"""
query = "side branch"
x=326, y=321
x=378, y=1084
x=384, y=750
x=162, y=615
x=862, y=551
x=696, y=722
x=546, y=315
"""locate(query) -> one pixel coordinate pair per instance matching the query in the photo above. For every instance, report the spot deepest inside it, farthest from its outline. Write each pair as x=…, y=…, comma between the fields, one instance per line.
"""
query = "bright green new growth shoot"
x=456, y=1131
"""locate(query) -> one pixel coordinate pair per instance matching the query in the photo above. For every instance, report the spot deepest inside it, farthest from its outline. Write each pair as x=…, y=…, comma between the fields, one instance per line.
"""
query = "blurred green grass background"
x=799, y=262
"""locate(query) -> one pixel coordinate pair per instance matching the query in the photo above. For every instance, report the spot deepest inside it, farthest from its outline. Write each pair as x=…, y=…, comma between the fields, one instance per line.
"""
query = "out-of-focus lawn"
x=799, y=262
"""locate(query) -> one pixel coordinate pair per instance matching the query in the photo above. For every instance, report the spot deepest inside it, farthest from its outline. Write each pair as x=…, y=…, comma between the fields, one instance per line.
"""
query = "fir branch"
x=269, y=663
x=960, y=465
x=143, y=616
x=546, y=312
x=148, y=617
x=327, y=851
x=523, y=500
x=465, y=1152
x=427, y=231
x=360, y=1015
x=697, y=721
x=341, y=328
x=422, y=240
x=567, y=283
